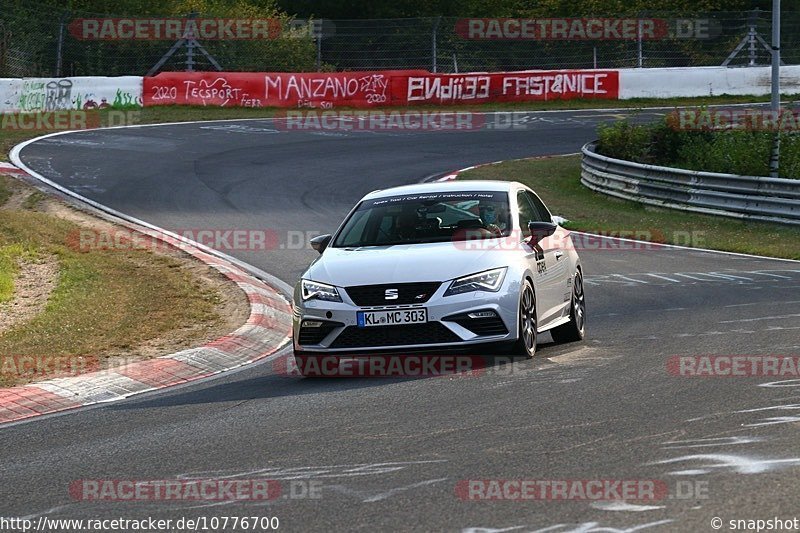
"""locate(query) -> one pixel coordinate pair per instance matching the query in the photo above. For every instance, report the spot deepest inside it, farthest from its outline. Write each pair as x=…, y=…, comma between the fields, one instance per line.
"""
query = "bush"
x=624, y=140
x=733, y=152
x=740, y=152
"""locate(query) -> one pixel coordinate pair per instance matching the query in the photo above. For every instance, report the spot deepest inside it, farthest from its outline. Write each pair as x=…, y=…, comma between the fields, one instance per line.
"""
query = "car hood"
x=377, y=265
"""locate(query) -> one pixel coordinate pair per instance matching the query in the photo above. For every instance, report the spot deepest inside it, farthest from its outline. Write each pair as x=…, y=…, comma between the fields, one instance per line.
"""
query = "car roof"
x=445, y=186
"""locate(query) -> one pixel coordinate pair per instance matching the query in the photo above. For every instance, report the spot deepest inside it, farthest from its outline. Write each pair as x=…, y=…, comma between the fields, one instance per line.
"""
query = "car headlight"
x=320, y=291
x=489, y=280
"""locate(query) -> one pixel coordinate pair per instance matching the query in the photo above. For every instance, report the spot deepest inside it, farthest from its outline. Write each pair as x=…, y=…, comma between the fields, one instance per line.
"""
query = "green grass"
x=743, y=152
x=106, y=302
x=9, y=268
x=33, y=200
x=5, y=192
x=557, y=181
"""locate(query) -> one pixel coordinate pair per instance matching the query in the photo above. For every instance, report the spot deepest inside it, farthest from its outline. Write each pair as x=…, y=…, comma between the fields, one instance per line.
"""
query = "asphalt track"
x=389, y=453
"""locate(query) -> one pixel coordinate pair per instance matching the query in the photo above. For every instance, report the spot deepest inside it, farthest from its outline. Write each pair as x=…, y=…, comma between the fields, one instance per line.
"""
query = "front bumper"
x=331, y=327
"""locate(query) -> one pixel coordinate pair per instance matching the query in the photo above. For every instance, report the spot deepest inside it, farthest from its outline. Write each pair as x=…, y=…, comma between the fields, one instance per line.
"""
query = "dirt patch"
x=233, y=306
x=32, y=288
x=37, y=279
x=19, y=192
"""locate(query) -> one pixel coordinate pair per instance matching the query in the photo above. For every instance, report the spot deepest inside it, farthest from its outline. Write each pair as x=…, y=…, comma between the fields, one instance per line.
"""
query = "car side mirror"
x=541, y=230
x=320, y=242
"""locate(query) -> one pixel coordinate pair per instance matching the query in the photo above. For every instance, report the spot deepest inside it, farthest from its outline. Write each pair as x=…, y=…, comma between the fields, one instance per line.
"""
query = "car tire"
x=526, y=322
x=575, y=329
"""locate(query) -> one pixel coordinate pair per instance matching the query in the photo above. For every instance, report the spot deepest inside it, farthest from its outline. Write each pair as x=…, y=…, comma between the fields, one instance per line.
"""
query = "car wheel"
x=575, y=329
x=526, y=317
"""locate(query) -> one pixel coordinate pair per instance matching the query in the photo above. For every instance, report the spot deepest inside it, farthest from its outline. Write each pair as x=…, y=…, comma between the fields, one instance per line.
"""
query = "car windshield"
x=425, y=218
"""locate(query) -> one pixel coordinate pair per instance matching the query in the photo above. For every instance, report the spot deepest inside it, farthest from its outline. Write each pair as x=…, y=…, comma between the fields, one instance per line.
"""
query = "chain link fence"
x=37, y=39
x=439, y=44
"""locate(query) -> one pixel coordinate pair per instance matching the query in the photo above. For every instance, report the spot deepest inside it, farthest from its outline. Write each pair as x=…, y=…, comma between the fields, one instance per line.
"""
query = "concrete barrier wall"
x=704, y=81
x=386, y=88
x=51, y=94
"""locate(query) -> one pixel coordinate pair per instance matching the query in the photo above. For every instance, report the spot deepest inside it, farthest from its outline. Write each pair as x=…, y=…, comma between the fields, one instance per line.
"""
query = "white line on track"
x=629, y=279
x=758, y=319
x=728, y=276
x=663, y=277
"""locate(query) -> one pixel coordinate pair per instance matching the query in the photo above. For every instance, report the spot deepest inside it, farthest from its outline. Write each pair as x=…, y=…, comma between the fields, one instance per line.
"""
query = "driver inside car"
x=494, y=220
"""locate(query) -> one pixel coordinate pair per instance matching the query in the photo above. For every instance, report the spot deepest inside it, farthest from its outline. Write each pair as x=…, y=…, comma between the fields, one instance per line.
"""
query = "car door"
x=547, y=261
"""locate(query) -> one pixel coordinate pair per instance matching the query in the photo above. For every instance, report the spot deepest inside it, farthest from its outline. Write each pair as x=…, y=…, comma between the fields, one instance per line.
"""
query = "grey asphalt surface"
x=389, y=453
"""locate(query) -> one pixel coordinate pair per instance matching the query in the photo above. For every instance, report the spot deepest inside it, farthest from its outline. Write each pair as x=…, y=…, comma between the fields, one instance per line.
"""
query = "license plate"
x=395, y=317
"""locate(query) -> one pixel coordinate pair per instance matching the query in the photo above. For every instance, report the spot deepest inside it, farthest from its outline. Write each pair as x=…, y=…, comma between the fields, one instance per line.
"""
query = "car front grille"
x=381, y=336
x=407, y=293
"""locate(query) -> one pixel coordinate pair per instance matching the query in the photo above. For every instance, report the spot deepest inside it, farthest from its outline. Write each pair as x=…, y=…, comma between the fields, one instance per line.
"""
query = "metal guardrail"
x=743, y=197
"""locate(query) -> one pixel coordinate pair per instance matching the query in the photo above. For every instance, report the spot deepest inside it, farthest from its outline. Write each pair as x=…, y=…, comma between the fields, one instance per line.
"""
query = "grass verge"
x=5, y=191
x=106, y=302
x=557, y=181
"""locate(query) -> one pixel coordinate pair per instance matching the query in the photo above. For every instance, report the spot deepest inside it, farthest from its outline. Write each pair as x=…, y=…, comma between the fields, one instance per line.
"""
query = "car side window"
x=526, y=213
x=538, y=205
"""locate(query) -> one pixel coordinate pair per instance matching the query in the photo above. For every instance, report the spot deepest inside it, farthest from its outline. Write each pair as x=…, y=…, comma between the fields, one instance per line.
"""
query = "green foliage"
x=623, y=140
x=10, y=255
x=31, y=28
x=734, y=151
x=236, y=8
x=566, y=8
x=740, y=152
x=363, y=9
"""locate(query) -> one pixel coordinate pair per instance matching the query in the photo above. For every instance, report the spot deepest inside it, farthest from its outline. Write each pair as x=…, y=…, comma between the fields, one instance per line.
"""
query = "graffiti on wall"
x=278, y=89
x=55, y=94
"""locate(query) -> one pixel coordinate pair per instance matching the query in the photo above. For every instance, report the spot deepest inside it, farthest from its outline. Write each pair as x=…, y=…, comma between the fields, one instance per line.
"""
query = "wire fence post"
x=190, y=55
x=774, y=160
x=752, y=36
x=60, y=45
x=316, y=27
x=434, y=52
x=639, y=52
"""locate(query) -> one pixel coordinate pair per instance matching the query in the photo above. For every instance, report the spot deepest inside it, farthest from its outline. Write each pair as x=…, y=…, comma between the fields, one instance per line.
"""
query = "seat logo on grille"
x=391, y=294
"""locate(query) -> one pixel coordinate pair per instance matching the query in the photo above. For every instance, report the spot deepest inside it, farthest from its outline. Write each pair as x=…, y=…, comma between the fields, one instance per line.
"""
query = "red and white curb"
x=11, y=170
x=267, y=329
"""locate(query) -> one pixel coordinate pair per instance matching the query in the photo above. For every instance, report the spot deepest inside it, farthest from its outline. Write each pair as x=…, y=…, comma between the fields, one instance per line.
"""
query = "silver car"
x=470, y=265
